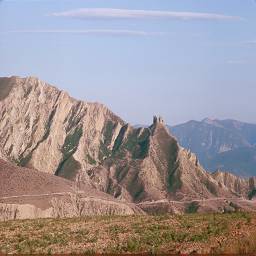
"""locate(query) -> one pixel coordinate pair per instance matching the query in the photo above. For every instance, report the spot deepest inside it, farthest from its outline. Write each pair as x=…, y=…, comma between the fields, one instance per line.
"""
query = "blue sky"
x=182, y=59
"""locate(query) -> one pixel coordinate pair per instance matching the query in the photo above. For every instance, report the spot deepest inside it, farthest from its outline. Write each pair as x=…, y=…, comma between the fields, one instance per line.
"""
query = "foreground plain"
x=200, y=233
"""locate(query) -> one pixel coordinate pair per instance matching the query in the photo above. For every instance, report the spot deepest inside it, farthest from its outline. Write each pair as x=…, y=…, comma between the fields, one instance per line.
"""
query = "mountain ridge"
x=220, y=144
x=44, y=128
x=53, y=110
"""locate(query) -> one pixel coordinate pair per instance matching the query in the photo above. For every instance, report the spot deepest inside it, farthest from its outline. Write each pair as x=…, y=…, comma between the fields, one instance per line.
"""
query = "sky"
x=181, y=59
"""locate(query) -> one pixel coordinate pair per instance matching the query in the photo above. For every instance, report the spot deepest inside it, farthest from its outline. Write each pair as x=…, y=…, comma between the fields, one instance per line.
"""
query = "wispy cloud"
x=236, y=62
x=252, y=42
x=103, y=13
x=113, y=32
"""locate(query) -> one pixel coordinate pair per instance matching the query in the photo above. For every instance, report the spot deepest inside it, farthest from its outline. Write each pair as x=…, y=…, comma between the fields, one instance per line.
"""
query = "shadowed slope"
x=147, y=164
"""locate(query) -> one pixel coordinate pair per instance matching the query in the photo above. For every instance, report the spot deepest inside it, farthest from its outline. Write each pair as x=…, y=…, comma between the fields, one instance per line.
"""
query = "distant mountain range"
x=220, y=144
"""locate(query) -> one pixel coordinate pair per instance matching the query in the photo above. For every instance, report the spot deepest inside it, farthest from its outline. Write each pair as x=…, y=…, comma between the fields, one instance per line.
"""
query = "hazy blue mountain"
x=220, y=144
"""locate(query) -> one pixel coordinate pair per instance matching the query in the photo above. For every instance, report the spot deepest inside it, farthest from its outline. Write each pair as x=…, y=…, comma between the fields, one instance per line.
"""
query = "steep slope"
x=247, y=130
x=27, y=193
x=15, y=181
x=235, y=184
x=44, y=128
x=147, y=164
x=220, y=144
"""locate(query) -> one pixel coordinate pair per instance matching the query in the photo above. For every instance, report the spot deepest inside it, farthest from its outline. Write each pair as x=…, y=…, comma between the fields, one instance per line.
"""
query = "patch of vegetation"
x=139, y=190
x=69, y=148
x=108, y=132
x=131, y=234
x=252, y=194
x=211, y=187
x=244, y=246
x=131, y=245
x=137, y=145
x=131, y=142
x=116, y=229
x=143, y=147
x=192, y=207
x=90, y=160
x=174, y=180
x=68, y=168
x=23, y=161
x=119, y=140
x=72, y=141
x=104, y=151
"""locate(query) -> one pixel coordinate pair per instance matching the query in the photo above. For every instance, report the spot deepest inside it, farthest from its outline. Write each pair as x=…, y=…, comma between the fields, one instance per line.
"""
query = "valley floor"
x=201, y=233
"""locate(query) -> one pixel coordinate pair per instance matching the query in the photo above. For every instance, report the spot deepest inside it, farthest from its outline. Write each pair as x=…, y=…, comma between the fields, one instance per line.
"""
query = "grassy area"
x=214, y=233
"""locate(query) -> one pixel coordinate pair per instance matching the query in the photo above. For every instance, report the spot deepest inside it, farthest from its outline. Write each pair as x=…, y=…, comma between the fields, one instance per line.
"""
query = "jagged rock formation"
x=234, y=183
x=147, y=164
x=45, y=129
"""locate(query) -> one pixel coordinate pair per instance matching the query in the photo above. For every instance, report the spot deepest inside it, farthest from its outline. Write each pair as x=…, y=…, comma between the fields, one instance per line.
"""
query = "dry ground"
x=212, y=233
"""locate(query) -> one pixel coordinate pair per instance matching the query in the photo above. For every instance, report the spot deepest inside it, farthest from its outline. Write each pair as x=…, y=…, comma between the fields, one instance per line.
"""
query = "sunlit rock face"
x=44, y=128
x=147, y=164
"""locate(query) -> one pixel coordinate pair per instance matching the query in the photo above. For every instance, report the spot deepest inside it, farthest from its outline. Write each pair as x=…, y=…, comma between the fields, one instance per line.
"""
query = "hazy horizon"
x=183, y=60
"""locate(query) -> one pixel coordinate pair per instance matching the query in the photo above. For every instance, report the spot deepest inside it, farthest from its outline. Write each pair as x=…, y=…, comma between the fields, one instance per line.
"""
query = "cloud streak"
x=112, y=32
x=236, y=62
x=107, y=13
x=252, y=42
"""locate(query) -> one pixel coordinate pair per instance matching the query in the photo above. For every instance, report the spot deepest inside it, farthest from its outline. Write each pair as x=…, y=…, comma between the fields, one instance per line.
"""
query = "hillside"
x=26, y=193
x=23, y=181
x=220, y=144
x=43, y=128
x=147, y=164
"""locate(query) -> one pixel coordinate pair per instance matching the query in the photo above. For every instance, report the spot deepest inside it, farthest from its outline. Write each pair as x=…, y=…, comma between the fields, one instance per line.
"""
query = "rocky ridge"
x=44, y=128
x=47, y=130
x=148, y=164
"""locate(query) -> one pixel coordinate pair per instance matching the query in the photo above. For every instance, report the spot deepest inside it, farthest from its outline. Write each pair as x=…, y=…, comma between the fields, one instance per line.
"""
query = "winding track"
x=143, y=203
